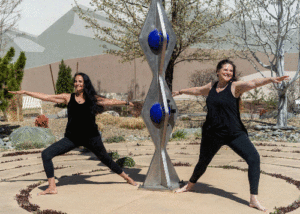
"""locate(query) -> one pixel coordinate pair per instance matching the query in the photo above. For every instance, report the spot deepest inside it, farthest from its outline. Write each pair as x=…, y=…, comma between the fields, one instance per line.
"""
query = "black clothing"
x=223, y=126
x=65, y=145
x=210, y=145
x=223, y=115
x=81, y=121
x=81, y=130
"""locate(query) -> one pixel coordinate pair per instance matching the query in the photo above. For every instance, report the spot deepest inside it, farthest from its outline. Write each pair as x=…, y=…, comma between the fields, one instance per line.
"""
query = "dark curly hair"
x=90, y=94
x=227, y=61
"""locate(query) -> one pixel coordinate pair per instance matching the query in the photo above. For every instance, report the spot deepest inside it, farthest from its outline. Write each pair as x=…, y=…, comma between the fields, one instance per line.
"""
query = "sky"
x=38, y=15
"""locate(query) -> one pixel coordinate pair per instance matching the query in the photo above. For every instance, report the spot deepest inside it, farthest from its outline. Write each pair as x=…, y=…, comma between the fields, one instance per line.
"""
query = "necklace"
x=80, y=101
x=221, y=88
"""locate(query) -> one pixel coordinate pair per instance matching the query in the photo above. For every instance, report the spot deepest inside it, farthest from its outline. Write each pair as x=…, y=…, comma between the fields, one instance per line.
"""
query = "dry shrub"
x=132, y=123
x=100, y=126
x=107, y=119
x=42, y=121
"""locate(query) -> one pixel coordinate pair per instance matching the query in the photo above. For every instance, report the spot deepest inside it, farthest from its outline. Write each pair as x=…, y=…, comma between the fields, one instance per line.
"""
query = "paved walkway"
x=218, y=191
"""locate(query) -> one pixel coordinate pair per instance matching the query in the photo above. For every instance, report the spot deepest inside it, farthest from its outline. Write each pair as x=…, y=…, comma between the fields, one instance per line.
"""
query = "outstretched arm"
x=203, y=90
x=112, y=102
x=57, y=98
x=241, y=87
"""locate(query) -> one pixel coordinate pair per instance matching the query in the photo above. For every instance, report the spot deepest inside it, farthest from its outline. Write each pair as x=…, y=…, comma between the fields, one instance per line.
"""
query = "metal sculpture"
x=159, y=112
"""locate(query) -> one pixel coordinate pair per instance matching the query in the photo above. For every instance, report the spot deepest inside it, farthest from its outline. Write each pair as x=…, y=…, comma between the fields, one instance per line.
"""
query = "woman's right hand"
x=175, y=93
x=17, y=92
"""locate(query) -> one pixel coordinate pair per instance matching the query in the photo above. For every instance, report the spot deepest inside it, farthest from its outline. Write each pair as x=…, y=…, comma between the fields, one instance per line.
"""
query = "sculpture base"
x=160, y=188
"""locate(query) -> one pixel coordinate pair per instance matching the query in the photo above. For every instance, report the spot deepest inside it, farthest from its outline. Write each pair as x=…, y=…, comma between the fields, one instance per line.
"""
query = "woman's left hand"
x=279, y=79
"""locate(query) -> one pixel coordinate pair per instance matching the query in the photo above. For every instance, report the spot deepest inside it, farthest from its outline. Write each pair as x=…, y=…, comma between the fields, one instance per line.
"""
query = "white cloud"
x=38, y=15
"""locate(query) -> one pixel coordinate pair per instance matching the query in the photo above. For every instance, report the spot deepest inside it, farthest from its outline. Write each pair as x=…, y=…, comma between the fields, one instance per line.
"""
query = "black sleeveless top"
x=223, y=115
x=81, y=121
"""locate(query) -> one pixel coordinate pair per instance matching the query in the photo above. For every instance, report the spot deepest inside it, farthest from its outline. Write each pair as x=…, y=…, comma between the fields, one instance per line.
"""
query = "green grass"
x=179, y=135
x=115, y=139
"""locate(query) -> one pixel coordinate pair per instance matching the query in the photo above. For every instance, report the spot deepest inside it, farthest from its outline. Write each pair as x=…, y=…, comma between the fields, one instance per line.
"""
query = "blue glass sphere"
x=155, y=39
x=157, y=113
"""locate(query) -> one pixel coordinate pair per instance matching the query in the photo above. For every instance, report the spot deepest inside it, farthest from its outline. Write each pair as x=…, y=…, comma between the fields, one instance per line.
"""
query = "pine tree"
x=11, y=76
x=5, y=78
x=64, y=83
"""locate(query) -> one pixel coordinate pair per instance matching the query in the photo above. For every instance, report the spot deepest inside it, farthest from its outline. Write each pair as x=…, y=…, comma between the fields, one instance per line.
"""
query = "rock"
x=247, y=115
x=2, y=130
x=6, y=139
x=293, y=137
x=113, y=113
x=252, y=134
x=1, y=142
x=8, y=144
x=283, y=128
x=32, y=134
x=258, y=127
x=276, y=133
x=63, y=113
x=52, y=116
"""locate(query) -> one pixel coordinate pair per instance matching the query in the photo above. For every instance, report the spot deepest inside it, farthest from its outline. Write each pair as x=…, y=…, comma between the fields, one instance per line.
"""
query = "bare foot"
x=254, y=203
x=186, y=188
x=48, y=191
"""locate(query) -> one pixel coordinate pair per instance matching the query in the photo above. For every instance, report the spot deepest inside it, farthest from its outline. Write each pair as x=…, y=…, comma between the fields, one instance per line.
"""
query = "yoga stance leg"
x=60, y=147
x=209, y=147
x=96, y=146
x=244, y=148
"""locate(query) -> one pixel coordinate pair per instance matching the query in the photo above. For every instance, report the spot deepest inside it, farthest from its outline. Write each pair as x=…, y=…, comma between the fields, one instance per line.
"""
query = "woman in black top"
x=83, y=105
x=223, y=125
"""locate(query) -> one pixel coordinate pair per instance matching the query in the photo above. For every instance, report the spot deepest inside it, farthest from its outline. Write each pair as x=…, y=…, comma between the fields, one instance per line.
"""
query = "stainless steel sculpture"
x=159, y=112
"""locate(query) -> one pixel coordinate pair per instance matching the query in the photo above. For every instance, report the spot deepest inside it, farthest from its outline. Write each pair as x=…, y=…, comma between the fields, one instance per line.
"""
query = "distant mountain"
x=67, y=38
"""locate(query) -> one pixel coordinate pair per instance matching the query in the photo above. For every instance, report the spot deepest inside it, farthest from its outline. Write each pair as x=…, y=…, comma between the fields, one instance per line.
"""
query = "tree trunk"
x=282, y=110
x=169, y=74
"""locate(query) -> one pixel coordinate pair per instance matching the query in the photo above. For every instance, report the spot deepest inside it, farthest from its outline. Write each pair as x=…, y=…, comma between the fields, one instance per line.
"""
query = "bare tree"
x=200, y=78
x=269, y=27
x=193, y=22
x=9, y=15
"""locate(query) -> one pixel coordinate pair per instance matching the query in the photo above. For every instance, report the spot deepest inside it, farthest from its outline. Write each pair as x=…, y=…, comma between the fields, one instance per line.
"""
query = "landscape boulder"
x=32, y=134
x=113, y=113
x=63, y=113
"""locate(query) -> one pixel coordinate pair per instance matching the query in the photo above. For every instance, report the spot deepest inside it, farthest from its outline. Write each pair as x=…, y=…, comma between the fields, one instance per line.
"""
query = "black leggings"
x=241, y=145
x=65, y=145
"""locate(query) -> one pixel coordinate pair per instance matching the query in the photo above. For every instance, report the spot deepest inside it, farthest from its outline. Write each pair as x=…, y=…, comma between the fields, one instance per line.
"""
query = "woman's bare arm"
x=203, y=90
x=241, y=87
x=57, y=98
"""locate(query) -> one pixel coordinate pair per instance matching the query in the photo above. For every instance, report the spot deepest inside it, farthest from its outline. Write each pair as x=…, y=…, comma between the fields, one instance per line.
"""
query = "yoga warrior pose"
x=223, y=125
x=81, y=128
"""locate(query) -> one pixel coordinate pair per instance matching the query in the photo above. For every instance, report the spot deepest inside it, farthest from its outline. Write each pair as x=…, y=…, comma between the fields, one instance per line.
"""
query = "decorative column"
x=159, y=112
